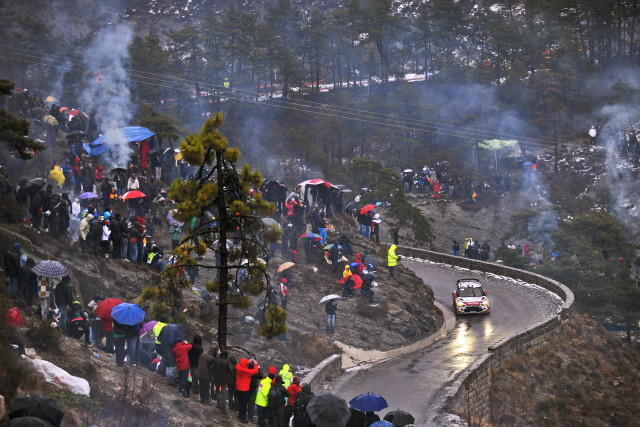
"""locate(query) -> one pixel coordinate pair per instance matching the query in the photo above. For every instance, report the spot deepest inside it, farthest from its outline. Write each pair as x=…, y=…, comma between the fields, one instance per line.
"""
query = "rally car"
x=470, y=298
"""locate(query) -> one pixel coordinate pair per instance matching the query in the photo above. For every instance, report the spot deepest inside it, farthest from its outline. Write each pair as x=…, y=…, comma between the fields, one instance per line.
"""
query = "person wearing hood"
x=98, y=175
x=12, y=269
x=194, y=362
x=67, y=171
x=222, y=367
x=375, y=227
x=293, y=391
x=77, y=172
x=276, y=402
x=83, y=231
x=181, y=351
x=456, y=248
x=360, y=268
x=347, y=272
x=64, y=298
x=243, y=381
x=78, y=325
x=27, y=282
x=392, y=259
x=206, y=363
x=300, y=414
x=286, y=375
x=262, y=398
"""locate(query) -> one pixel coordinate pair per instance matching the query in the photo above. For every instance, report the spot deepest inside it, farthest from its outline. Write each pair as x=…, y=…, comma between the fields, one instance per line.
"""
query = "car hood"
x=471, y=299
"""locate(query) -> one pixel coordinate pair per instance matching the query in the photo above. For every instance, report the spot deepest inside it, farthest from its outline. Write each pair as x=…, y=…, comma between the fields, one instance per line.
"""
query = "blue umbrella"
x=127, y=314
x=126, y=135
x=382, y=423
x=528, y=164
x=354, y=265
x=88, y=195
x=169, y=333
x=368, y=402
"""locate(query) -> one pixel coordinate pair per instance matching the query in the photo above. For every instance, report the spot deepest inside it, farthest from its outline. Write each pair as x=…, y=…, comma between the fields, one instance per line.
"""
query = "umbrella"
x=329, y=298
x=311, y=236
x=285, y=266
x=171, y=220
x=76, y=132
x=369, y=276
x=348, y=233
x=64, y=109
x=399, y=418
x=326, y=248
x=354, y=265
x=270, y=222
x=73, y=113
x=118, y=170
x=50, y=268
x=367, y=209
x=104, y=308
x=147, y=327
x=407, y=171
x=29, y=422
x=382, y=423
x=50, y=99
x=35, y=405
x=527, y=164
x=14, y=317
x=369, y=260
x=127, y=314
x=368, y=402
x=169, y=333
x=88, y=195
x=133, y=194
x=328, y=410
x=35, y=182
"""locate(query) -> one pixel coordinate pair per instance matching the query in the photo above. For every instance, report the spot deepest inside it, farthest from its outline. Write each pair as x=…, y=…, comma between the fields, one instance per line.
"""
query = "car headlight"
x=485, y=302
x=460, y=303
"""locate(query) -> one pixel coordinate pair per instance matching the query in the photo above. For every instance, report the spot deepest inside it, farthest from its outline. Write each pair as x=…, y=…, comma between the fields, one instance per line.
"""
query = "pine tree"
x=14, y=131
x=151, y=63
x=220, y=199
x=164, y=125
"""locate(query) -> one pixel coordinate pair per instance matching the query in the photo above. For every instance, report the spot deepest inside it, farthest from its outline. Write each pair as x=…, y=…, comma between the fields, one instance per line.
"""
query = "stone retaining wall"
x=469, y=394
x=325, y=370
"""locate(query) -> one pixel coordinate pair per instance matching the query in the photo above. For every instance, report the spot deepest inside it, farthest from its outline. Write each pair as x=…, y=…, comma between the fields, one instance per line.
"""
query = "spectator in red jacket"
x=181, y=350
x=358, y=270
x=99, y=175
x=293, y=390
x=107, y=327
x=243, y=380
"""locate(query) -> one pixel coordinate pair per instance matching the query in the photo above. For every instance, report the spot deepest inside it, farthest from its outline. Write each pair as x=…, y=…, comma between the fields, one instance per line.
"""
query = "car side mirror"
x=454, y=294
x=486, y=293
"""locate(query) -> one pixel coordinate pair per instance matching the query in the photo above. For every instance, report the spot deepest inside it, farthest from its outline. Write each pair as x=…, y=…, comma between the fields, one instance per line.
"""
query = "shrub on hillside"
x=10, y=210
x=43, y=336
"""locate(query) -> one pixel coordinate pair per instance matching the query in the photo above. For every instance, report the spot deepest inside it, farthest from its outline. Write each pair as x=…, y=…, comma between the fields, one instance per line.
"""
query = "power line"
x=296, y=105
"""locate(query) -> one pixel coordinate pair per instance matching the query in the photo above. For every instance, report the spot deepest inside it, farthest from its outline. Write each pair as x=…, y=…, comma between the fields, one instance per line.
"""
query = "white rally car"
x=470, y=298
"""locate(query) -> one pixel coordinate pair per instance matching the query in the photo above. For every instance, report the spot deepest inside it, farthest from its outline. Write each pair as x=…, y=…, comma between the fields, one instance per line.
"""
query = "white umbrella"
x=329, y=298
x=407, y=171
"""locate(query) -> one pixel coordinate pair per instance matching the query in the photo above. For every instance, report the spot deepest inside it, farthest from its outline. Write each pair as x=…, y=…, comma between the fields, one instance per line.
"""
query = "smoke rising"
x=106, y=89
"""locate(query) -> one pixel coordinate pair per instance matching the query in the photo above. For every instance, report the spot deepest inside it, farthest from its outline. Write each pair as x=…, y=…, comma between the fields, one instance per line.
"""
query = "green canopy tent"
x=507, y=147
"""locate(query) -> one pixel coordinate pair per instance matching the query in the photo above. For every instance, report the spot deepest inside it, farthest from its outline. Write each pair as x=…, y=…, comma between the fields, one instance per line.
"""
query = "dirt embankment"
x=584, y=376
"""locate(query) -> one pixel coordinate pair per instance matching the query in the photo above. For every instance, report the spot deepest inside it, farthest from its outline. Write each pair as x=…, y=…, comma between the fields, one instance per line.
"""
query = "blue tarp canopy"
x=131, y=134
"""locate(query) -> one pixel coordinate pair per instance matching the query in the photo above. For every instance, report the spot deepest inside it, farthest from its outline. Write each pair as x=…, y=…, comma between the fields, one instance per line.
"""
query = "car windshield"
x=470, y=292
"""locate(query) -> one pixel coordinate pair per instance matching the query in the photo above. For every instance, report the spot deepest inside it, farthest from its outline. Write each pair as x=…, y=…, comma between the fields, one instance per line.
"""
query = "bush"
x=10, y=210
x=13, y=373
x=44, y=337
x=378, y=312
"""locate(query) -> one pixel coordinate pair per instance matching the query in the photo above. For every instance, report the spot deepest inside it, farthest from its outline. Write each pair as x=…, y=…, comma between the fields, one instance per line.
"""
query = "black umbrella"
x=118, y=170
x=35, y=405
x=369, y=260
x=29, y=422
x=35, y=183
x=169, y=333
x=328, y=410
x=369, y=276
x=76, y=132
x=399, y=418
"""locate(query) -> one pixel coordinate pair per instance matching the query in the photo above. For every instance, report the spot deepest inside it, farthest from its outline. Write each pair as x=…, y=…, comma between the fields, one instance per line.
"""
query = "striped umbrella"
x=50, y=268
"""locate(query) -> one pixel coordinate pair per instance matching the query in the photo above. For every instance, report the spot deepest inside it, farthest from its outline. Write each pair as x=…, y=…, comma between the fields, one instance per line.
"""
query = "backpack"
x=273, y=397
x=300, y=409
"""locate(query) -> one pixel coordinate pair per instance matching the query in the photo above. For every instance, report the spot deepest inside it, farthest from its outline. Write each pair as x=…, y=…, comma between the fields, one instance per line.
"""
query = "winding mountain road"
x=417, y=382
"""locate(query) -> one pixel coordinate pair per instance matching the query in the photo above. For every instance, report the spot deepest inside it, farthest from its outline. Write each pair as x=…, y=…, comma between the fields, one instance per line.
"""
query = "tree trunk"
x=224, y=270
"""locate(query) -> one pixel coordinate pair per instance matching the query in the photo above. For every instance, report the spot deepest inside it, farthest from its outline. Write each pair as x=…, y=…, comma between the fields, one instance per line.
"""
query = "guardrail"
x=470, y=392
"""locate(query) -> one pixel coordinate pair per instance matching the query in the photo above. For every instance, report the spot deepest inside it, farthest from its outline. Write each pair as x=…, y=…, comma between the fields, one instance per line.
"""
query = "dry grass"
x=584, y=376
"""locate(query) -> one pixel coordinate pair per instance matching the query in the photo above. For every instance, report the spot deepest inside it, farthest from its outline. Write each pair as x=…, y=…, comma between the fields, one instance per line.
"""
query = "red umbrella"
x=133, y=194
x=73, y=113
x=367, y=209
x=356, y=279
x=64, y=109
x=103, y=310
x=14, y=317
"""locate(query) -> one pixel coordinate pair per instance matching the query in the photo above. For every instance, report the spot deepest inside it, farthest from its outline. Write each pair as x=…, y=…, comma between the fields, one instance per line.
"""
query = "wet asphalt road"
x=417, y=382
